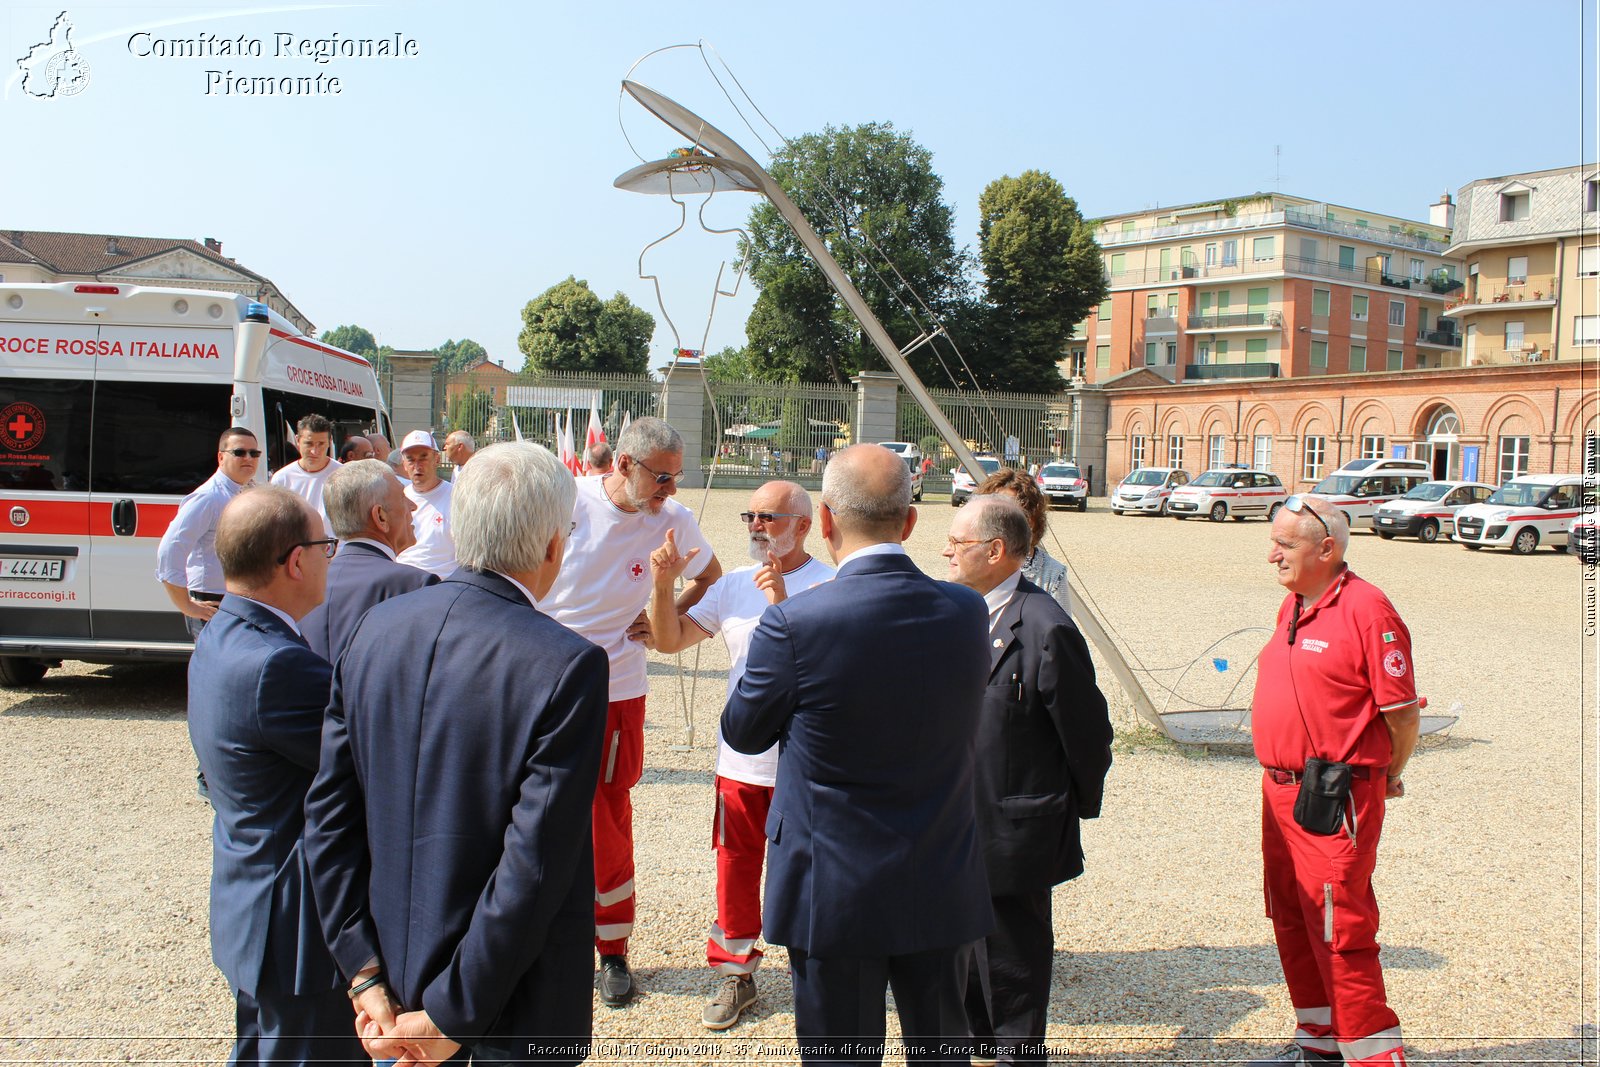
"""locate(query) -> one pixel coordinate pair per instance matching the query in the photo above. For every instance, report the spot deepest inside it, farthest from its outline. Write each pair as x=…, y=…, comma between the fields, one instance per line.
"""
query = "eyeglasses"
x=330, y=545
x=240, y=453
x=1297, y=505
x=747, y=517
x=955, y=544
x=661, y=479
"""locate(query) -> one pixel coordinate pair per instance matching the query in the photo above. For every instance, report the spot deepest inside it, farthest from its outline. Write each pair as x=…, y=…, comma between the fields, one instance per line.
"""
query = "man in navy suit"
x=371, y=515
x=1044, y=746
x=874, y=875
x=256, y=699
x=448, y=830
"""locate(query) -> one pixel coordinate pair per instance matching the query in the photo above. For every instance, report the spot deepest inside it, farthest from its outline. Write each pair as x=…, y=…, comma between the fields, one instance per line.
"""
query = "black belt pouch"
x=1324, y=792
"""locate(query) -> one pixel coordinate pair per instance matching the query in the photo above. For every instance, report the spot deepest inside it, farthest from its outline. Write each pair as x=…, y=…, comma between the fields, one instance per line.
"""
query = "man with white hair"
x=371, y=517
x=459, y=447
x=1334, y=721
x=434, y=549
x=778, y=519
x=601, y=593
x=448, y=831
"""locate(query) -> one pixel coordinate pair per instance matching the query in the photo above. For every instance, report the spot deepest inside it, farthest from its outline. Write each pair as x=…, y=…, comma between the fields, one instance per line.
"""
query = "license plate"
x=32, y=570
x=1386, y=520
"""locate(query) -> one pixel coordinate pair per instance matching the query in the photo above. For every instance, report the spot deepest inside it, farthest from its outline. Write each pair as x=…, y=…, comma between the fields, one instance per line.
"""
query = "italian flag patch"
x=1388, y=637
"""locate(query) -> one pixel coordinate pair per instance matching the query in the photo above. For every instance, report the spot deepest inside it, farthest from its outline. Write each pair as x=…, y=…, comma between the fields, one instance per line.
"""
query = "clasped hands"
x=409, y=1038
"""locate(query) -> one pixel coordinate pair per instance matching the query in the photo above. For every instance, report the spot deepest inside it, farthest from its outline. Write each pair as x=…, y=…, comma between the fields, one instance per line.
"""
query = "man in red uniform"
x=1334, y=682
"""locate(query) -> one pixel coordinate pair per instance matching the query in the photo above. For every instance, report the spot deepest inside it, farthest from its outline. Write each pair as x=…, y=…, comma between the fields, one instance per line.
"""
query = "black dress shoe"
x=616, y=981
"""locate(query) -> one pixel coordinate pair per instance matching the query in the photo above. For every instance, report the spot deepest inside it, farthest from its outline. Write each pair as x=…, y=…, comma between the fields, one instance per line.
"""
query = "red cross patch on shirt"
x=636, y=570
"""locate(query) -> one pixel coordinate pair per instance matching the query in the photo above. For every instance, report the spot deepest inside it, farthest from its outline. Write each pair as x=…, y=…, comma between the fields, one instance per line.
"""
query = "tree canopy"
x=459, y=355
x=1042, y=274
x=888, y=195
x=357, y=339
x=568, y=328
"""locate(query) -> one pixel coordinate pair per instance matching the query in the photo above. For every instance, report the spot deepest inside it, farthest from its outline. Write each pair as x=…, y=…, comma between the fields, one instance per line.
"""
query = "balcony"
x=1289, y=217
x=1541, y=292
x=1444, y=338
x=1498, y=357
x=1277, y=265
x=1162, y=323
x=1213, y=372
x=1250, y=320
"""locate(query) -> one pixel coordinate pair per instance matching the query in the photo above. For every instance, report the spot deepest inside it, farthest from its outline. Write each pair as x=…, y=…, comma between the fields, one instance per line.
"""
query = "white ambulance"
x=112, y=398
x=1523, y=513
x=1361, y=486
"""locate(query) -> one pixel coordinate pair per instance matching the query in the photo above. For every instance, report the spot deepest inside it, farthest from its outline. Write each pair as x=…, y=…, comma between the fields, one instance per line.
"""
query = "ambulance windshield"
x=1428, y=491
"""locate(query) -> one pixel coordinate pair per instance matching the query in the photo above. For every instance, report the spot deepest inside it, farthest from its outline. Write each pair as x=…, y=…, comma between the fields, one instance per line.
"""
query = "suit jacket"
x=359, y=577
x=256, y=698
x=448, y=828
x=1044, y=746
x=872, y=683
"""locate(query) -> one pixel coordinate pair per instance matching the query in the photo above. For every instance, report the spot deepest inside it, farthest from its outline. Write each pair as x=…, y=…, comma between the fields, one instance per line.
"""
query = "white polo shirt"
x=304, y=483
x=604, y=581
x=733, y=607
x=435, y=549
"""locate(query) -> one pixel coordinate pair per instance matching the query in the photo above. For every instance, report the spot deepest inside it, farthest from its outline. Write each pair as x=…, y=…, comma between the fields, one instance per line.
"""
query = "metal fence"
x=495, y=409
x=774, y=427
x=1037, y=421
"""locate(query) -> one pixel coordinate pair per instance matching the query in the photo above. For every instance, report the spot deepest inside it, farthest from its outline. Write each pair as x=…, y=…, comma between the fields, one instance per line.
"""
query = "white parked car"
x=1225, y=492
x=1428, y=510
x=1361, y=486
x=1147, y=489
x=912, y=454
x=1064, y=483
x=961, y=484
x=1523, y=513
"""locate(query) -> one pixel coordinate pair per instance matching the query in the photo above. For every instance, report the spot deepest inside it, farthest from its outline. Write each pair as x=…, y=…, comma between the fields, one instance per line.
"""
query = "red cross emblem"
x=636, y=570
x=24, y=426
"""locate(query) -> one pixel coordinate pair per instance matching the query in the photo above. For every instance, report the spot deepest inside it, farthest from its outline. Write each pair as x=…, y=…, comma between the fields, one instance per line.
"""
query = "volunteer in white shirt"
x=601, y=594
x=435, y=549
x=778, y=521
x=306, y=476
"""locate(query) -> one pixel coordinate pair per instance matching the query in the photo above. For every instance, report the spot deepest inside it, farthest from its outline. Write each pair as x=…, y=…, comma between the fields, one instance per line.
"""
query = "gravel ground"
x=1486, y=874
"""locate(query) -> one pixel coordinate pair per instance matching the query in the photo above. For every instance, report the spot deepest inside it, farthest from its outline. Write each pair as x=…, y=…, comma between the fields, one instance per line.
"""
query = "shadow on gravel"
x=120, y=692
x=668, y=670
x=676, y=776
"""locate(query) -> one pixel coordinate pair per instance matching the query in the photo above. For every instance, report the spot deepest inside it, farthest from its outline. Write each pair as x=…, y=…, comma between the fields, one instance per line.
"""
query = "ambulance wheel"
x=1083, y=505
x=1273, y=514
x=19, y=673
x=1385, y=534
x=1526, y=541
x=1162, y=510
x=1429, y=532
x=1219, y=511
x=917, y=496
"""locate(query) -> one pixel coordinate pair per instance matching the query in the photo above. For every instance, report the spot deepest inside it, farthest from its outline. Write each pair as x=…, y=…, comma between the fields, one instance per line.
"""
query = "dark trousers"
x=285, y=1029
x=1008, y=988
x=839, y=1008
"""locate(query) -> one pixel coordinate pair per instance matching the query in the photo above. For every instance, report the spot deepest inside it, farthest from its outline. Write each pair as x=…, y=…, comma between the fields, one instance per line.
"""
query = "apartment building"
x=1532, y=267
x=1267, y=286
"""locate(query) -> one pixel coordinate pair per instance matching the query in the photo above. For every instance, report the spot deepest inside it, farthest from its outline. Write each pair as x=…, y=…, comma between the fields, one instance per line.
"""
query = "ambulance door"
x=161, y=403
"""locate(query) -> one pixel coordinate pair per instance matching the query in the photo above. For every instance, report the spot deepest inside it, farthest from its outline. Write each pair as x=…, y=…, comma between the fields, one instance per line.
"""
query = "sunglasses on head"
x=1297, y=505
x=240, y=453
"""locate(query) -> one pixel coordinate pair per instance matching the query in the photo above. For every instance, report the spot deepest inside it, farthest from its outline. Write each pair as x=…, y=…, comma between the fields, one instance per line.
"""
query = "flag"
x=573, y=463
x=515, y=429
x=596, y=434
x=627, y=417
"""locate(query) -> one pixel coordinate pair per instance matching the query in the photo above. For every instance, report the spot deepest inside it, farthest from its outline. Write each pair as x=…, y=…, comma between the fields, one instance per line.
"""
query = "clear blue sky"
x=436, y=194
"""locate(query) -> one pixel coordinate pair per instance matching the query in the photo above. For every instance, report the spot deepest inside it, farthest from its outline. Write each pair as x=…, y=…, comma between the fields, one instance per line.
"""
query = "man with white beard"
x=778, y=521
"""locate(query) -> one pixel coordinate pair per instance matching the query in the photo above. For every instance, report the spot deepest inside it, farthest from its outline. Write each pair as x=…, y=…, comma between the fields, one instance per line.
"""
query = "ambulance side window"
x=45, y=434
x=157, y=437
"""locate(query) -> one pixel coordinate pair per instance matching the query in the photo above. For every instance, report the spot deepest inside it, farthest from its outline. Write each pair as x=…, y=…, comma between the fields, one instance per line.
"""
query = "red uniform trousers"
x=739, y=834
x=621, y=763
x=1325, y=919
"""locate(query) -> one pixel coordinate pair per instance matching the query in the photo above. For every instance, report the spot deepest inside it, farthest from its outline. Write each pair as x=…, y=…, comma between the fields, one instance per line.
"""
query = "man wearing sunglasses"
x=601, y=593
x=186, y=561
x=256, y=700
x=1335, y=682
x=776, y=524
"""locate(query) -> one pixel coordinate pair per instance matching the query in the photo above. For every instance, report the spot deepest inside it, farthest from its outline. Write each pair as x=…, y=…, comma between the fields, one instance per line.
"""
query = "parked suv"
x=1064, y=483
x=1522, y=513
x=1361, y=486
x=912, y=454
x=1147, y=489
x=1229, y=491
x=961, y=484
x=1428, y=510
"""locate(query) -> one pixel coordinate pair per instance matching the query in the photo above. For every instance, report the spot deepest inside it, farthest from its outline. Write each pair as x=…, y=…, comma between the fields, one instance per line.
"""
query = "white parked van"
x=1361, y=486
x=112, y=398
x=1147, y=489
x=1222, y=492
x=1428, y=510
x=1523, y=514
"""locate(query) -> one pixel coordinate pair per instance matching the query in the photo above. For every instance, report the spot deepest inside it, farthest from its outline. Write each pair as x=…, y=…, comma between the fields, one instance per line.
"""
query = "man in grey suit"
x=371, y=515
x=256, y=699
x=1043, y=749
x=874, y=875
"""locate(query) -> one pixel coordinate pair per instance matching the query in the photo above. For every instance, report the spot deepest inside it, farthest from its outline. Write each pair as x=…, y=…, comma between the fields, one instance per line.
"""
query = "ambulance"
x=1523, y=514
x=112, y=398
x=1361, y=486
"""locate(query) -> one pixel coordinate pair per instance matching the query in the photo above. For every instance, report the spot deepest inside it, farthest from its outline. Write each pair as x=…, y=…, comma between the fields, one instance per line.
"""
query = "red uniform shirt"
x=1350, y=662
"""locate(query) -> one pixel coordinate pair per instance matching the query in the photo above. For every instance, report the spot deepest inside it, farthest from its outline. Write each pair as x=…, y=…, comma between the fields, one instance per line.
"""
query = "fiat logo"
x=19, y=516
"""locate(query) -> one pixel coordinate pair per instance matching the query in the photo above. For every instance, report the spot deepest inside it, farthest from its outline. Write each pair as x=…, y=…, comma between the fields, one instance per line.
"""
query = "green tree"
x=358, y=339
x=1042, y=273
x=858, y=187
x=729, y=365
x=568, y=328
x=456, y=356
